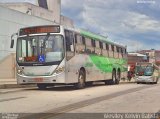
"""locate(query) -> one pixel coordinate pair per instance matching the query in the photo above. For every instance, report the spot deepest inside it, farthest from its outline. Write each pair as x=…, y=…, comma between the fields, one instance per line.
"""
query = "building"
x=153, y=55
x=49, y=10
x=133, y=58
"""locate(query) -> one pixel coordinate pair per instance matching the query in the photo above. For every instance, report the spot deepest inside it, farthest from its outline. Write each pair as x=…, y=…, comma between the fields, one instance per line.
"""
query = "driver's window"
x=24, y=48
x=30, y=50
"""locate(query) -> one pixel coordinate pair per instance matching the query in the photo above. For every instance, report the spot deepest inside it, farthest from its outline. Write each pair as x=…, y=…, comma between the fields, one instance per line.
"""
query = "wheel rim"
x=114, y=77
x=81, y=80
x=118, y=76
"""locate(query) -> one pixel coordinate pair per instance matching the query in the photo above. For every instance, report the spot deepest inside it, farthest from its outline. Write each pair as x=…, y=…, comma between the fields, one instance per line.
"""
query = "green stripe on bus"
x=95, y=36
x=107, y=64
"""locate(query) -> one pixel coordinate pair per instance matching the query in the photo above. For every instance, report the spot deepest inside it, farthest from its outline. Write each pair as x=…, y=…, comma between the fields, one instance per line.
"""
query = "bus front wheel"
x=81, y=80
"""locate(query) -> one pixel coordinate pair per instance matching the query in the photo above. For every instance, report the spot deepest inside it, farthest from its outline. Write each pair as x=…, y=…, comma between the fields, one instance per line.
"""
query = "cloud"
x=141, y=22
x=123, y=21
x=118, y=18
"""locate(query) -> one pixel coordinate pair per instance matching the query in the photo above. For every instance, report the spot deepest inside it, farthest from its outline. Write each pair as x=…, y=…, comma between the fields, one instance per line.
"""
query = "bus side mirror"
x=12, y=43
x=12, y=40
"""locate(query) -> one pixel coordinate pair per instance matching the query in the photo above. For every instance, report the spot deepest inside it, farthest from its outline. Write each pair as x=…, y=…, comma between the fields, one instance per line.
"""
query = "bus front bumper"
x=146, y=79
x=58, y=79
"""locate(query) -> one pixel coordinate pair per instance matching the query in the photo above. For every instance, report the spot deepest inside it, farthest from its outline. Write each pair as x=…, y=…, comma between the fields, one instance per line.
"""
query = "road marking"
x=61, y=110
x=10, y=99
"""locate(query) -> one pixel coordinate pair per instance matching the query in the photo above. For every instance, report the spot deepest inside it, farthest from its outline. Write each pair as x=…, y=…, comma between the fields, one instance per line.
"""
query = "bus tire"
x=118, y=77
x=89, y=83
x=156, y=81
x=41, y=86
x=81, y=80
x=108, y=82
x=114, y=77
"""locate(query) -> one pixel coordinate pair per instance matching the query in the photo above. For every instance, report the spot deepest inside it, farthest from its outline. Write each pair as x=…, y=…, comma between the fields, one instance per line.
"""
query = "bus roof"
x=144, y=64
x=95, y=36
x=99, y=37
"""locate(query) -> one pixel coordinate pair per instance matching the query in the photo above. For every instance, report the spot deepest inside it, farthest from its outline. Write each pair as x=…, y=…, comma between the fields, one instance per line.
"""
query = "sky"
x=135, y=23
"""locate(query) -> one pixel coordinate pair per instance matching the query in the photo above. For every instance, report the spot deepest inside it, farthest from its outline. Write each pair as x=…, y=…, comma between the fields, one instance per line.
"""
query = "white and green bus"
x=51, y=55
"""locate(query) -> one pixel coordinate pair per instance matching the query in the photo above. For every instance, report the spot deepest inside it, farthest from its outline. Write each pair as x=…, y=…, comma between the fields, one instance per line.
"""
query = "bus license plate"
x=38, y=79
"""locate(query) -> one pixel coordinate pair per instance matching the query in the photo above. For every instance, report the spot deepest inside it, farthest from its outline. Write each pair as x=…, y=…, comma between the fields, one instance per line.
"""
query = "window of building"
x=43, y=4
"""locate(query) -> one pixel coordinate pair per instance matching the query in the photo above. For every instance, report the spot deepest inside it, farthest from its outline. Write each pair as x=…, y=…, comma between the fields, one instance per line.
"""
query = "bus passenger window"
x=125, y=51
x=69, y=44
x=93, y=43
x=112, y=47
x=100, y=45
x=107, y=46
x=80, y=44
x=75, y=38
x=69, y=41
x=117, y=48
x=89, y=48
x=83, y=40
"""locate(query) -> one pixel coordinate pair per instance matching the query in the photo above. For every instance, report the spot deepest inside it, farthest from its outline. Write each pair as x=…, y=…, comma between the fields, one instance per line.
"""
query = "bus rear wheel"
x=81, y=80
x=114, y=77
x=41, y=86
x=118, y=77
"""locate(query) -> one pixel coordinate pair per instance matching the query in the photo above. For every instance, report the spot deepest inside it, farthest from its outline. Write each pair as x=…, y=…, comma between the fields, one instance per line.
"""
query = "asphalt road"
x=47, y=104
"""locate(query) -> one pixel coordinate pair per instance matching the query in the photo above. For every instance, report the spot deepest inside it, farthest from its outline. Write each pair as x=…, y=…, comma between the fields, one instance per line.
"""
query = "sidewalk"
x=12, y=83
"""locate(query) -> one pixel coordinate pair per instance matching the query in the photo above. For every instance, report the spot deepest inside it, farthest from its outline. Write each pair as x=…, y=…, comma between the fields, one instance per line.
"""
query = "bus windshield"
x=40, y=49
x=144, y=70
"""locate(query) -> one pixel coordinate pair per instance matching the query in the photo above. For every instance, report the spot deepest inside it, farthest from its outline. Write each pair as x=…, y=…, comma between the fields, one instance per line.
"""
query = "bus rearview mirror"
x=12, y=40
x=12, y=43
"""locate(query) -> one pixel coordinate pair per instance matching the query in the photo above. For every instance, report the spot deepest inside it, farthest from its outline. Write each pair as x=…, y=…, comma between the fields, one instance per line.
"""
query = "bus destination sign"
x=39, y=29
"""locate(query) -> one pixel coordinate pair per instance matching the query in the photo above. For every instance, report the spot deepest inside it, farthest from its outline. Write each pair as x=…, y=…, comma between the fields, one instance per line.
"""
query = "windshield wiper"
x=47, y=36
x=45, y=39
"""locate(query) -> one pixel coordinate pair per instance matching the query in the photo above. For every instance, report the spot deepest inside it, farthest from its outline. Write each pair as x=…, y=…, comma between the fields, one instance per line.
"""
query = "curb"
x=7, y=86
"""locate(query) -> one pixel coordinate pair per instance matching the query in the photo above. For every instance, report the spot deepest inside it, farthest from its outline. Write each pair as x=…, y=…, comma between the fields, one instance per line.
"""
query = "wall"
x=65, y=21
x=55, y=7
x=31, y=10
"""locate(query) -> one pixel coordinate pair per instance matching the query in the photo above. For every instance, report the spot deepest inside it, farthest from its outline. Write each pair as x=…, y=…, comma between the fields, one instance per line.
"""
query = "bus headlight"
x=19, y=71
x=59, y=70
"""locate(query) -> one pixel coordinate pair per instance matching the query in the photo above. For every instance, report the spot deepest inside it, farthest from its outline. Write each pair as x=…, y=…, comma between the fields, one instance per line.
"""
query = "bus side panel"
x=96, y=67
x=72, y=68
x=94, y=72
x=82, y=61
